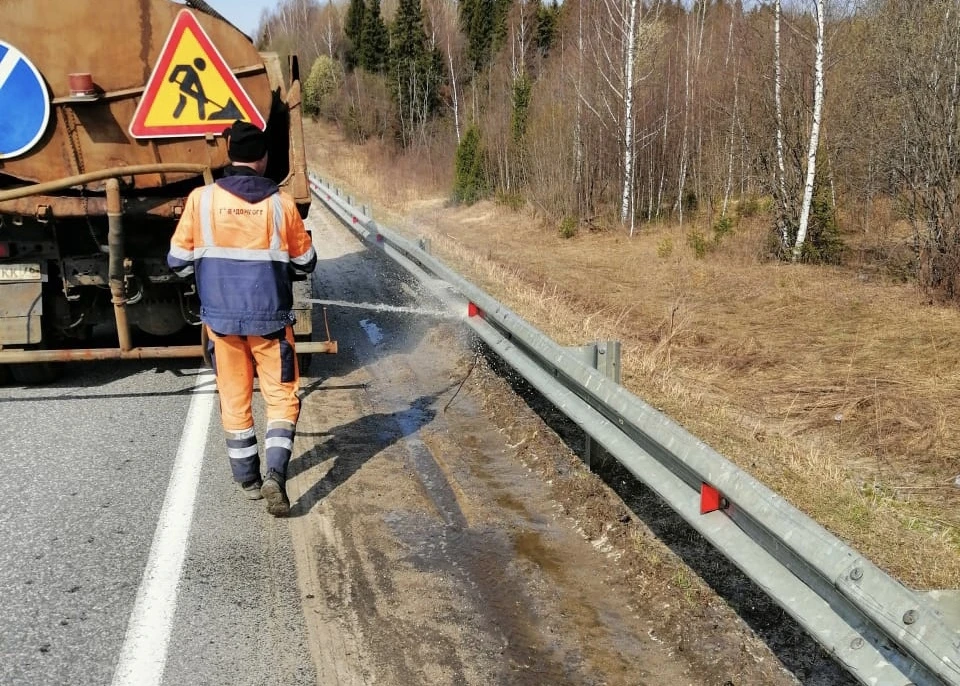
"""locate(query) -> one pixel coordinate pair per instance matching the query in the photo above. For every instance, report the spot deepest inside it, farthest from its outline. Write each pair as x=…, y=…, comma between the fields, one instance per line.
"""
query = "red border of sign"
x=138, y=127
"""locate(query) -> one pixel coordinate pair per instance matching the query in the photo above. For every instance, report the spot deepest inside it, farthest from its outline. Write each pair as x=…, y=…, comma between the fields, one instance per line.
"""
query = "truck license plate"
x=21, y=272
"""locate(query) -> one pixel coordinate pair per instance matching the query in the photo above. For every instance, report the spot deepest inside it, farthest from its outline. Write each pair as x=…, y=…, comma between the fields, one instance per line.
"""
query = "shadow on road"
x=352, y=445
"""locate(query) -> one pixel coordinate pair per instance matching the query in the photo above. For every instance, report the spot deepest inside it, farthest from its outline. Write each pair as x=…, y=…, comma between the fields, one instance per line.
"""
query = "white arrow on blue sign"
x=24, y=103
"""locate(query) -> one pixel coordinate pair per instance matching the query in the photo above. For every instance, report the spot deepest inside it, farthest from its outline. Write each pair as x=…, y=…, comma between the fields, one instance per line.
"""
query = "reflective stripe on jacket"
x=242, y=254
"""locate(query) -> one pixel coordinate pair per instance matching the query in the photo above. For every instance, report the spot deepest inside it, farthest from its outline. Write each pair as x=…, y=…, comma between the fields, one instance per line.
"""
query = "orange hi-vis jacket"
x=242, y=238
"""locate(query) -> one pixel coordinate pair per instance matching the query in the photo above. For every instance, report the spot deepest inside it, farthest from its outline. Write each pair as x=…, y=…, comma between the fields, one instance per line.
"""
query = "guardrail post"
x=608, y=359
x=424, y=244
x=604, y=356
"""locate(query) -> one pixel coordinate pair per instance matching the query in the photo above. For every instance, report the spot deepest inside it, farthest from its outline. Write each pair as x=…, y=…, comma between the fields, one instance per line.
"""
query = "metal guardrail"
x=882, y=632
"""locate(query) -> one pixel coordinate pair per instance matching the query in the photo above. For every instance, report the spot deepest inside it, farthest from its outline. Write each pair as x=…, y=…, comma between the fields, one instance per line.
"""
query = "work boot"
x=251, y=489
x=274, y=490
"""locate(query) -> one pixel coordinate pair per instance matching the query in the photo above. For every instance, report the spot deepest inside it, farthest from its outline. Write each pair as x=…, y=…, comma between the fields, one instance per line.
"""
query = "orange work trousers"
x=275, y=358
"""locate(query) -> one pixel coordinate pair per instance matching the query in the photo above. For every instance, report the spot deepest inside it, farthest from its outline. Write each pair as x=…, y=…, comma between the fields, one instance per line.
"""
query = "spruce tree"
x=374, y=41
x=469, y=183
x=824, y=243
x=413, y=69
x=501, y=11
x=547, y=19
x=484, y=22
x=409, y=38
x=353, y=29
x=480, y=33
x=466, y=10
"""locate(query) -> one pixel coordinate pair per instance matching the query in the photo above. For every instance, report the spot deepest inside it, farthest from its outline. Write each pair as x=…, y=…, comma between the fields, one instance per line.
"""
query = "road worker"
x=243, y=239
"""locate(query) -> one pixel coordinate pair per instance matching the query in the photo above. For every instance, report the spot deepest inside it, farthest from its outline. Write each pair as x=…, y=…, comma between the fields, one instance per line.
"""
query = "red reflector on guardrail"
x=472, y=310
x=710, y=499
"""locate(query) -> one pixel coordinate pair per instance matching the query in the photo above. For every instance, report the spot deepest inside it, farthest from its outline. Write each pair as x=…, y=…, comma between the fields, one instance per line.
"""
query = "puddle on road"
x=482, y=566
x=527, y=583
x=529, y=545
x=373, y=332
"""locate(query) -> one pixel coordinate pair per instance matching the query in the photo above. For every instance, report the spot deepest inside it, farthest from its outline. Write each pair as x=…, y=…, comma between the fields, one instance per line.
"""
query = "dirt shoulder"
x=802, y=375
x=454, y=538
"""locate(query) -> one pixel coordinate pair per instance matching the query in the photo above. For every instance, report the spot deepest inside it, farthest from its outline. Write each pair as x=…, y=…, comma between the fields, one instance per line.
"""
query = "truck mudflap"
x=21, y=309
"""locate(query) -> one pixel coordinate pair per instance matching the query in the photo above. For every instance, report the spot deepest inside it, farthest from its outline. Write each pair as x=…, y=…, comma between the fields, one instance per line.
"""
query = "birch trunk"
x=814, y=135
x=682, y=176
x=733, y=132
x=578, y=126
x=663, y=154
x=453, y=87
x=778, y=98
x=631, y=47
x=728, y=187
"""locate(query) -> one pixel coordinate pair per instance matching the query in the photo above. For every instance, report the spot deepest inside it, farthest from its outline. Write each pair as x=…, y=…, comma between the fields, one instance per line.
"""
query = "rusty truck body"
x=135, y=94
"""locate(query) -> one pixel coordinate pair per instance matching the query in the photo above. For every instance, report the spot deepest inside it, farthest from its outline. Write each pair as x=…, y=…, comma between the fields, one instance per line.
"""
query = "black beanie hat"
x=245, y=142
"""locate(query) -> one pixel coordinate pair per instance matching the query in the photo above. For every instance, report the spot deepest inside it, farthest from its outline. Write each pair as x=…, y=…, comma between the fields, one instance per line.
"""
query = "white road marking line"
x=144, y=653
x=7, y=64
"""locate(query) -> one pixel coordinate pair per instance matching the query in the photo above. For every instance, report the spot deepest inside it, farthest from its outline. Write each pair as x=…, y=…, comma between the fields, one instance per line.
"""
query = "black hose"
x=206, y=9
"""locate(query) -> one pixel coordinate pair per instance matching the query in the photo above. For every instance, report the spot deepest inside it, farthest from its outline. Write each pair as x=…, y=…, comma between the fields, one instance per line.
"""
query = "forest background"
x=761, y=200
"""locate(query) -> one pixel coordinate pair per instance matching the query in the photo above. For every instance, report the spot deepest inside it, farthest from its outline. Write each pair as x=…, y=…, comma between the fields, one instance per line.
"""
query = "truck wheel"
x=4, y=375
x=36, y=373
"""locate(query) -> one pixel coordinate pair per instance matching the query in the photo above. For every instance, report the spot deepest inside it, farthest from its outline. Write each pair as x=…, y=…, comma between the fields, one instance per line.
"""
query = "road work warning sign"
x=192, y=91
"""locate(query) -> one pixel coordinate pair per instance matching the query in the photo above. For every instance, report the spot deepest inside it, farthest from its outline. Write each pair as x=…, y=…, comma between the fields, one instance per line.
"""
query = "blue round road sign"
x=24, y=103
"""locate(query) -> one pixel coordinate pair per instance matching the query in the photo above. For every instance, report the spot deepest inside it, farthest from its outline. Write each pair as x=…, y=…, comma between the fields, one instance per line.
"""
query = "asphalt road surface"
x=420, y=549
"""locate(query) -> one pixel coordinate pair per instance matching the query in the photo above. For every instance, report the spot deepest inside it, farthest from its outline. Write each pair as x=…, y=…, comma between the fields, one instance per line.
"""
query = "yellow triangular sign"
x=192, y=91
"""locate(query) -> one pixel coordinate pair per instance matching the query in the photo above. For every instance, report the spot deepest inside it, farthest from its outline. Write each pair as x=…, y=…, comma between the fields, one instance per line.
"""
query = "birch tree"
x=578, y=122
x=782, y=199
x=628, y=84
x=818, y=89
x=330, y=29
x=618, y=45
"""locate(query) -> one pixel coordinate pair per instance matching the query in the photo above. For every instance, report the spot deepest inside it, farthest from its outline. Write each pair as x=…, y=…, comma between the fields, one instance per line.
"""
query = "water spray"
x=380, y=307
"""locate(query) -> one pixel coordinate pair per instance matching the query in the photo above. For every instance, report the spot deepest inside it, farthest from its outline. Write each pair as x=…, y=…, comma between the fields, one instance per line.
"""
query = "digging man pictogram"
x=191, y=86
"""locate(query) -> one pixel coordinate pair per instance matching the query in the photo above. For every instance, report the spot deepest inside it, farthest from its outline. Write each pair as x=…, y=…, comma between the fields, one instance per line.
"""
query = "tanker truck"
x=110, y=114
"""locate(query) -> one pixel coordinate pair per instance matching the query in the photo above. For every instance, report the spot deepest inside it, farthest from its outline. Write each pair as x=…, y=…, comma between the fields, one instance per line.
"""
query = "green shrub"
x=515, y=201
x=325, y=79
x=353, y=124
x=568, y=227
x=699, y=244
x=665, y=248
x=722, y=227
x=823, y=242
x=754, y=205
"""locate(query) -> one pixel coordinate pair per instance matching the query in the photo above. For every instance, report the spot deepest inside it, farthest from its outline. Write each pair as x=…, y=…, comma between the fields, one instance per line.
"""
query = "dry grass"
x=836, y=387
